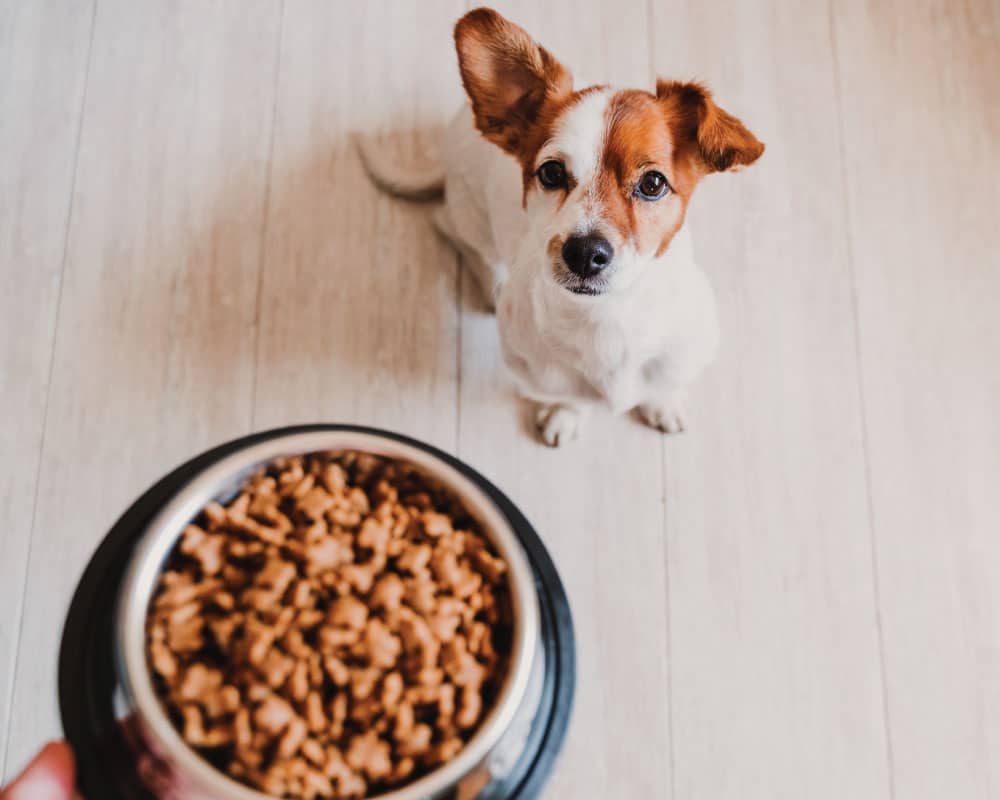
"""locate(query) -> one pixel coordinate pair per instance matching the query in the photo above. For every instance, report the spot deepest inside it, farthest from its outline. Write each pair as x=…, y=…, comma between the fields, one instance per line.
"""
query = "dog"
x=568, y=206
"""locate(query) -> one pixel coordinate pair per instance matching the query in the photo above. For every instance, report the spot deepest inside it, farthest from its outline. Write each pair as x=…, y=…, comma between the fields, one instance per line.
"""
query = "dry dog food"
x=338, y=629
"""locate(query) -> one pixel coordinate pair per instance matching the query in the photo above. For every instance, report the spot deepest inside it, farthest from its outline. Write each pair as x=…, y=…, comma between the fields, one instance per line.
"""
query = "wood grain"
x=41, y=96
x=921, y=121
x=358, y=301
x=777, y=689
x=597, y=503
x=153, y=357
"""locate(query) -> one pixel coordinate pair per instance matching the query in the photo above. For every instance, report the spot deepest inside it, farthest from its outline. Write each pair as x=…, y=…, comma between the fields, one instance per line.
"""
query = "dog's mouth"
x=583, y=287
x=587, y=290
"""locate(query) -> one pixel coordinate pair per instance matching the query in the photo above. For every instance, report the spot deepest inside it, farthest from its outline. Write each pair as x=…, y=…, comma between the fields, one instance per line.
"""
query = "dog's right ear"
x=508, y=77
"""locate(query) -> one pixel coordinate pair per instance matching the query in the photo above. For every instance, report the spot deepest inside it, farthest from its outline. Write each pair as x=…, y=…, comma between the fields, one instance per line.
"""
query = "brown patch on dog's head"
x=637, y=141
x=679, y=132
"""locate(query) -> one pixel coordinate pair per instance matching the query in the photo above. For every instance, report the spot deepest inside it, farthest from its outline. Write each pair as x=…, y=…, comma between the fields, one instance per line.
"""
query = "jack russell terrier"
x=568, y=205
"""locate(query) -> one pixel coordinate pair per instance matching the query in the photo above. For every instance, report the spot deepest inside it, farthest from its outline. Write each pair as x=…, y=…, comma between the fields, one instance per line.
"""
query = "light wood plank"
x=597, y=502
x=358, y=303
x=775, y=659
x=45, y=48
x=154, y=350
x=921, y=121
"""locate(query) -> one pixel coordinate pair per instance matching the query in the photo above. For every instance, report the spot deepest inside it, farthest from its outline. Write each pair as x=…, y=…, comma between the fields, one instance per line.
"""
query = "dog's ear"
x=721, y=141
x=508, y=77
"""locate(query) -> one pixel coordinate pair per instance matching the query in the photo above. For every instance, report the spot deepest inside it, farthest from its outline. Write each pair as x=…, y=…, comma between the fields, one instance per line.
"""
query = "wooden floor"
x=798, y=598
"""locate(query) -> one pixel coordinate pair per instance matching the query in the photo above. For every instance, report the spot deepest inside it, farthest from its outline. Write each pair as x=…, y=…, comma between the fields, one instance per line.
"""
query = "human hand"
x=50, y=776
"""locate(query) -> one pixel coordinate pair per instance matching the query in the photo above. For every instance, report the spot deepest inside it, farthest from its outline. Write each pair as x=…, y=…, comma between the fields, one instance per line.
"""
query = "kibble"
x=338, y=629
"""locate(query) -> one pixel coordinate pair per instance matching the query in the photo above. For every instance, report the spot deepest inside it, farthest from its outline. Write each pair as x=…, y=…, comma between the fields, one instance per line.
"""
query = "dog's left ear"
x=722, y=142
x=508, y=77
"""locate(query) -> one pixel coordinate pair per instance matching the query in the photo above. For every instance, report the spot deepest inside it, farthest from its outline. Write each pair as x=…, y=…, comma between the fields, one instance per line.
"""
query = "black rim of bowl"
x=87, y=681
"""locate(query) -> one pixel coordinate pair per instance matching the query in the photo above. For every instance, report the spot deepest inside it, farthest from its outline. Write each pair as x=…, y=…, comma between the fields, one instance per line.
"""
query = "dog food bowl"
x=125, y=744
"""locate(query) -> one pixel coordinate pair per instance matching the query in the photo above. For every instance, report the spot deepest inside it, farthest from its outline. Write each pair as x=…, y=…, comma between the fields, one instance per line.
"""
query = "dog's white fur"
x=636, y=346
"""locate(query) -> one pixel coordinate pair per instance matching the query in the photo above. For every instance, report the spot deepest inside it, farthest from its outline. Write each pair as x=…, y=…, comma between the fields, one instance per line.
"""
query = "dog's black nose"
x=587, y=255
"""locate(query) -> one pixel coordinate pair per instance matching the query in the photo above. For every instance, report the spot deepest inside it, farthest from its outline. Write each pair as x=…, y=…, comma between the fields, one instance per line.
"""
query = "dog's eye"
x=652, y=186
x=552, y=175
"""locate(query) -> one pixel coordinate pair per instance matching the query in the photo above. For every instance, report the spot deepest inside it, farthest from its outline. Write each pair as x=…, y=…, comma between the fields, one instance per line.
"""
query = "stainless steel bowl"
x=179, y=773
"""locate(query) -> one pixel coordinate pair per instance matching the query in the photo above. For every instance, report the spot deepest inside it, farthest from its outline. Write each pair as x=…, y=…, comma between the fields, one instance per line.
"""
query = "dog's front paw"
x=557, y=424
x=669, y=417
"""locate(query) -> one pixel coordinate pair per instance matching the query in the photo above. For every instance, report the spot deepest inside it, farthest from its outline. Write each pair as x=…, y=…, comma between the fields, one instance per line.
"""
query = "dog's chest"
x=577, y=357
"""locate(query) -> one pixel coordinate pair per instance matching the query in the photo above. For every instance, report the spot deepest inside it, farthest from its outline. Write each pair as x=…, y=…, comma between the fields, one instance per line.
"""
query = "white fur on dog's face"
x=581, y=139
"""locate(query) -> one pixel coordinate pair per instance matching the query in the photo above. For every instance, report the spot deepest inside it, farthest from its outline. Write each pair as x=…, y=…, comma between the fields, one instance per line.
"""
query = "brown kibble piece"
x=315, y=503
x=313, y=750
x=206, y=549
x=293, y=737
x=421, y=594
x=370, y=755
x=215, y=514
x=359, y=576
x=415, y=558
x=392, y=691
x=302, y=594
x=418, y=742
x=405, y=718
x=186, y=636
x=446, y=619
x=276, y=575
x=374, y=535
x=338, y=714
x=276, y=668
x=446, y=704
x=490, y=566
x=468, y=712
x=363, y=682
x=242, y=730
x=337, y=670
x=298, y=682
x=348, y=612
x=417, y=637
x=435, y=524
x=333, y=639
x=388, y=592
x=334, y=478
x=460, y=664
x=163, y=660
x=273, y=715
x=198, y=682
x=380, y=644
x=315, y=716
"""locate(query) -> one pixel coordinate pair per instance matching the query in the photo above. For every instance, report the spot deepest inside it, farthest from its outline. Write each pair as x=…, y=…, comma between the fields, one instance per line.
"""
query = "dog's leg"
x=486, y=269
x=559, y=423
x=668, y=413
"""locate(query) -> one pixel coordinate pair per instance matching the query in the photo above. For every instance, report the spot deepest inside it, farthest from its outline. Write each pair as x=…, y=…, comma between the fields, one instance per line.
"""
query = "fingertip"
x=51, y=775
x=59, y=761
